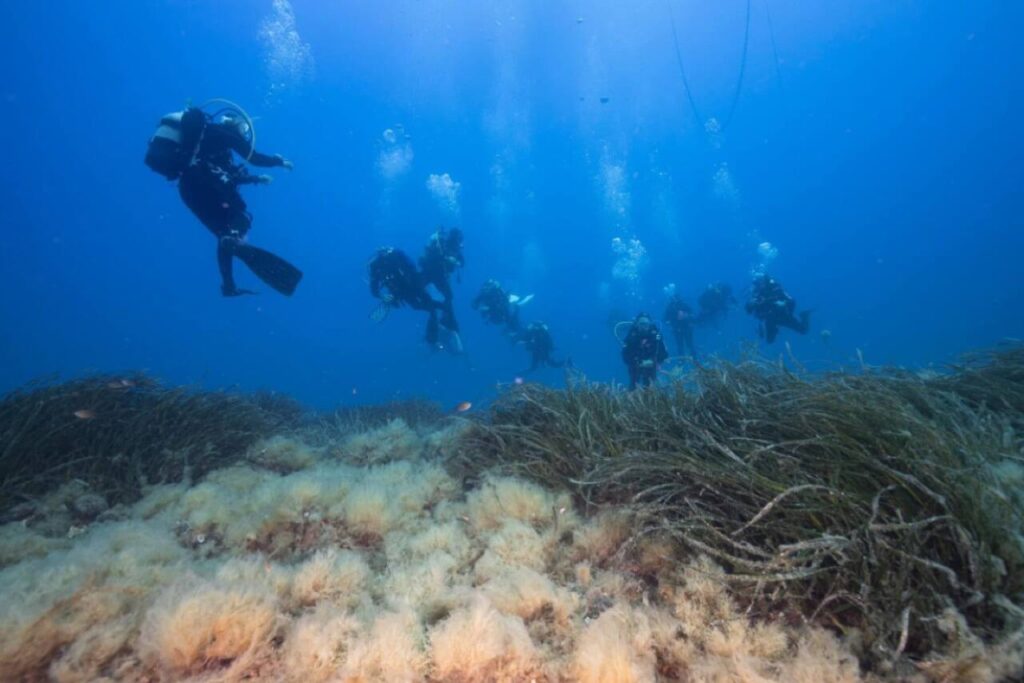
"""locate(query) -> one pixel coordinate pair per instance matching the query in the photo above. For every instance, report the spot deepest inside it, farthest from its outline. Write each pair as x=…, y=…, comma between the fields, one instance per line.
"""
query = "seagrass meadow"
x=742, y=523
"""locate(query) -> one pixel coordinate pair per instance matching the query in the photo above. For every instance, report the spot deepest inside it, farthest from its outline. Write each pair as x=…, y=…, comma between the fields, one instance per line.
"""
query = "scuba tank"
x=175, y=142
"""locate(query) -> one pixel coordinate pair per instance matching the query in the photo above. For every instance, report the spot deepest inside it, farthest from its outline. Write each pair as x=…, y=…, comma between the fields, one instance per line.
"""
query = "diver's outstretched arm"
x=242, y=148
x=267, y=160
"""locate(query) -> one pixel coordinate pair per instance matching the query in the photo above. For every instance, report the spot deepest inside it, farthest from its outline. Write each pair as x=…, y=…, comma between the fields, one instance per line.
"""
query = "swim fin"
x=805, y=322
x=452, y=342
x=272, y=269
x=432, y=329
x=448, y=318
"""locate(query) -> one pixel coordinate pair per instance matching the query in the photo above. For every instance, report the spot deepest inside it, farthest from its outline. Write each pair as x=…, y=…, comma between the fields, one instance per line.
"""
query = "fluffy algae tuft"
x=746, y=524
x=872, y=503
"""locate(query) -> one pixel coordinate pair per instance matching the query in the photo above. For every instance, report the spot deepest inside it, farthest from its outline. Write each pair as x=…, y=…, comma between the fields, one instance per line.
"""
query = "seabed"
x=743, y=523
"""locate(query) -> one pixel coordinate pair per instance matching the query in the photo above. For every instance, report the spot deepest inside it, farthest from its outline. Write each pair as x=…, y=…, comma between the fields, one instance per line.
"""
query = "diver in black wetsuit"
x=537, y=340
x=643, y=351
x=441, y=258
x=774, y=308
x=197, y=151
x=679, y=318
x=396, y=282
x=496, y=307
x=714, y=303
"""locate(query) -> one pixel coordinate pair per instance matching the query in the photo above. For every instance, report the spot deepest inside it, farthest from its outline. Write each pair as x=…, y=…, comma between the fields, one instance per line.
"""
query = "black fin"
x=432, y=329
x=448, y=318
x=272, y=269
x=805, y=321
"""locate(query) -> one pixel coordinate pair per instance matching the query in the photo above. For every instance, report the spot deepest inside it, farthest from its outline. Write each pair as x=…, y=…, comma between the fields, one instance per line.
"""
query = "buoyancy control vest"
x=175, y=142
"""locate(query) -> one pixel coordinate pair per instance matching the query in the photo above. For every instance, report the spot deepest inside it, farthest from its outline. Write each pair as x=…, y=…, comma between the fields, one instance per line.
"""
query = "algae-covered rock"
x=88, y=506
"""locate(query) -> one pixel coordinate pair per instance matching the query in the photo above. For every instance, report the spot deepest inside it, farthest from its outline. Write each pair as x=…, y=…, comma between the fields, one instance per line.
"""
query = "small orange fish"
x=463, y=407
x=85, y=414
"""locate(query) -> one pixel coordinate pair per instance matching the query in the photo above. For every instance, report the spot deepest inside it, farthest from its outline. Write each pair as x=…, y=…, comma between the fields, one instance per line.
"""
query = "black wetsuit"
x=643, y=351
x=209, y=188
x=775, y=308
x=392, y=270
x=714, y=303
x=441, y=258
x=493, y=304
x=679, y=318
x=537, y=340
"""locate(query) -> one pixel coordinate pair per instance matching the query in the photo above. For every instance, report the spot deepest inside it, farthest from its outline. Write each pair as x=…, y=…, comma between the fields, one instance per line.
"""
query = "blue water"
x=880, y=156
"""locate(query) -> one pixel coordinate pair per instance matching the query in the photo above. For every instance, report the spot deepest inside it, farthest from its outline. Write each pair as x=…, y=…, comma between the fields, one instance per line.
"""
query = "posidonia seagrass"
x=866, y=501
x=129, y=431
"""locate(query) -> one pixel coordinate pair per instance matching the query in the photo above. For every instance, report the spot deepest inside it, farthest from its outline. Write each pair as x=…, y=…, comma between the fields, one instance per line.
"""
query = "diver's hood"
x=237, y=123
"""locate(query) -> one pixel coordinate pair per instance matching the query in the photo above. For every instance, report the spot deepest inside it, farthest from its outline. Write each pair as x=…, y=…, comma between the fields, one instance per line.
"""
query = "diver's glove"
x=264, y=179
x=285, y=163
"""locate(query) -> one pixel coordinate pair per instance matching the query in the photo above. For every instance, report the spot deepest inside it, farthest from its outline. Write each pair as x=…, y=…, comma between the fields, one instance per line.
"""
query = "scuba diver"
x=537, y=340
x=679, y=318
x=196, y=149
x=396, y=282
x=643, y=351
x=714, y=302
x=774, y=308
x=493, y=304
x=441, y=258
x=498, y=307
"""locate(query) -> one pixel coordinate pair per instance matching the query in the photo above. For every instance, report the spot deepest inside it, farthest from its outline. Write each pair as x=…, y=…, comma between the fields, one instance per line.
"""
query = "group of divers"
x=197, y=148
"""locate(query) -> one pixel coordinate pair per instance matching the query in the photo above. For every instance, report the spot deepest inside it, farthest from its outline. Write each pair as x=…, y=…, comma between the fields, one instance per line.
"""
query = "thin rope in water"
x=682, y=69
x=743, y=71
x=686, y=81
x=775, y=49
